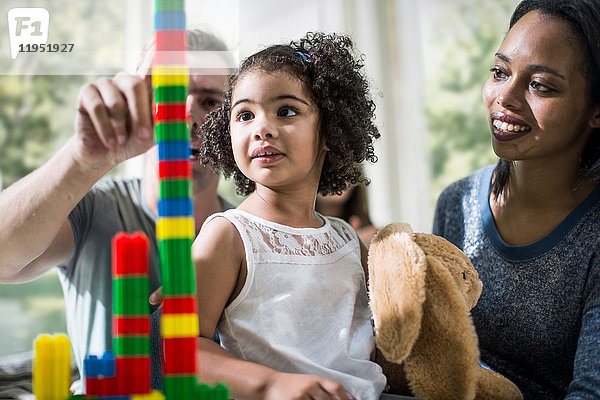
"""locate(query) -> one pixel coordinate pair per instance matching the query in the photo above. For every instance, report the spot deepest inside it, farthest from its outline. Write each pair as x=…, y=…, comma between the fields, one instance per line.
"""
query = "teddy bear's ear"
x=447, y=350
x=397, y=269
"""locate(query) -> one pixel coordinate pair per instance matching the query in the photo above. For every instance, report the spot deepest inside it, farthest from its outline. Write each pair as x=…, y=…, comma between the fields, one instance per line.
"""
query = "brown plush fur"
x=422, y=289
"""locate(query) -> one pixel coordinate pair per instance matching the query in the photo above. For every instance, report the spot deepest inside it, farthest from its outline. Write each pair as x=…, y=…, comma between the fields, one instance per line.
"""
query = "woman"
x=531, y=225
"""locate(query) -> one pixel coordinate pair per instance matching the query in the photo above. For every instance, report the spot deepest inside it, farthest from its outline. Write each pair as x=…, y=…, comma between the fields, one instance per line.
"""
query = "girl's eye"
x=286, y=112
x=497, y=73
x=244, y=116
x=538, y=87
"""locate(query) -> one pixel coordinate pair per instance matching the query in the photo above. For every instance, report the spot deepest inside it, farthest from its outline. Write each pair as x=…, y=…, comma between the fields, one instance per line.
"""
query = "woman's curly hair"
x=332, y=76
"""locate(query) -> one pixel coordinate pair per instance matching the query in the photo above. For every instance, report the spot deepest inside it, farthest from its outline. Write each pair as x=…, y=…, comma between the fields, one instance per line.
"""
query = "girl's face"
x=537, y=97
x=274, y=130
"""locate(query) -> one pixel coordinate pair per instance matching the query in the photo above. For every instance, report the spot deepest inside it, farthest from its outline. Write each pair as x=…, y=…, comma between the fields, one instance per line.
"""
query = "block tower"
x=175, y=230
x=126, y=375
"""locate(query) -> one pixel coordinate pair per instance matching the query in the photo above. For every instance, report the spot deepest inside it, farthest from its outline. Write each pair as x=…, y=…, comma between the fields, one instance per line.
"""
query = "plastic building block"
x=179, y=325
x=174, y=150
x=170, y=94
x=154, y=395
x=174, y=188
x=169, y=5
x=172, y=131
x=52, y=367
x=131, y=325
x=163, y=75
x=169, y=20
x=170, y=112
x=175, y=169
x=182, y=304
x=99, y=367
x=175, y=228
x=170, y=40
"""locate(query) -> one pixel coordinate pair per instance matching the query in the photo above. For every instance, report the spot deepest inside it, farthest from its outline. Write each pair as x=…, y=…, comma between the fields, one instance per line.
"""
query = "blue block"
x=177, y=207
x=169, y=21
x=94, y=367
x=174, y=150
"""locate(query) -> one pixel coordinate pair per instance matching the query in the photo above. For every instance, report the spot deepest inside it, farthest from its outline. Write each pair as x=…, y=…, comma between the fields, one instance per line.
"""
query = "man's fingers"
x=90, y=104
x=116, y=108
x=136, y=94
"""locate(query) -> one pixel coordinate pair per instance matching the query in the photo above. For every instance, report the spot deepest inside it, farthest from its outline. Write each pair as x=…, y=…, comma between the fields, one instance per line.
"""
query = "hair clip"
x=304, y=56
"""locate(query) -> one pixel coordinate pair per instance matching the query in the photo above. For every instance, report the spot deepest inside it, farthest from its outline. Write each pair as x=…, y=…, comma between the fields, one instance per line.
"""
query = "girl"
x=284, y=285
x=531, y=225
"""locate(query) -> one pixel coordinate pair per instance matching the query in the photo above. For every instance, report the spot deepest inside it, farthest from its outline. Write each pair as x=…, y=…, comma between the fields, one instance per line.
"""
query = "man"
x=59, y=215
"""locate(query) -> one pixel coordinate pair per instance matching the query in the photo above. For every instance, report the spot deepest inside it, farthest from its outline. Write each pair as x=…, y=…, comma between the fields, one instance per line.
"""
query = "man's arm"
x=113, y=124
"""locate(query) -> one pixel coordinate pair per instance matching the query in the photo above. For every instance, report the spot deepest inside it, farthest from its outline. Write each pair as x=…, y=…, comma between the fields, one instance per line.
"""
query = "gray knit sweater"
x=538, y=318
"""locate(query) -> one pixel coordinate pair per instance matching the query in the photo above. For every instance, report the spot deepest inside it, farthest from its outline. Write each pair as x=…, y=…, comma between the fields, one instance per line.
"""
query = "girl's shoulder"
x=218, y=235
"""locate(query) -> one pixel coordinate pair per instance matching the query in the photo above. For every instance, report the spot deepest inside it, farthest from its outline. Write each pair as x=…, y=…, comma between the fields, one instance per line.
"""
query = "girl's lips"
x=268, y=159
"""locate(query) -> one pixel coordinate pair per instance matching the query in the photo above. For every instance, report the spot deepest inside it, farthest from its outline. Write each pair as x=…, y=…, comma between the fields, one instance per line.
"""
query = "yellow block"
x=52, y=367
x=179, y=325
x=175, y=75
x=154, y=395
x=175, y=228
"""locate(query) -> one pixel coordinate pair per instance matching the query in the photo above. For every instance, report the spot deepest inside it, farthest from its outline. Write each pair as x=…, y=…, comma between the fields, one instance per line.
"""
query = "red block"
x=170, y=58
x=170, y=112
x=175, y=169
x=131, y=325
x=112, y=386
x=130, y=254
x=179, y=305
x=171, y=41
x=133, y=366
x=179, y=356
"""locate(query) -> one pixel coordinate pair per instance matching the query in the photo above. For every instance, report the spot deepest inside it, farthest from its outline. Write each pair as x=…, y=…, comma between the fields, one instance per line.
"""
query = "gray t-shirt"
x=538, y=318
x=111, y=206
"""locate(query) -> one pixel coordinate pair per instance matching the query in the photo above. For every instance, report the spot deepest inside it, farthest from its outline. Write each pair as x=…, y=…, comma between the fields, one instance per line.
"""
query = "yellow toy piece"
x=52, y=367
x=179, y=325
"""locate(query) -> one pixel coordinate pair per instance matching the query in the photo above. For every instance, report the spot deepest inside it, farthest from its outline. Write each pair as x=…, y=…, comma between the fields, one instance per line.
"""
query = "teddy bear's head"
x=456, y=262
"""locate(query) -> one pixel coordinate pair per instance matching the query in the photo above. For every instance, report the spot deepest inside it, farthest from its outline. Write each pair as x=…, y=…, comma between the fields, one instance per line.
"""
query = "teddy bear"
x=421, y=291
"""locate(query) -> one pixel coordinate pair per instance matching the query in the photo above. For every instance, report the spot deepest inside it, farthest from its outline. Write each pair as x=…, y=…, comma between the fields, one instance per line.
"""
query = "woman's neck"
x=538, y=198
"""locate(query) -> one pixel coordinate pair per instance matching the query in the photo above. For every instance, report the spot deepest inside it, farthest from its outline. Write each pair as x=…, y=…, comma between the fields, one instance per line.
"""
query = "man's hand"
x=156, y=297
x=114, y=121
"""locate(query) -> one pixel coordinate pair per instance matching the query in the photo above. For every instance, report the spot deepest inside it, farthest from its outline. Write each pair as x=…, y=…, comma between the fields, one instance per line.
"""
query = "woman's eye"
x=538, y=87
x=244, y=116
x=497, y=73
x=286, y=112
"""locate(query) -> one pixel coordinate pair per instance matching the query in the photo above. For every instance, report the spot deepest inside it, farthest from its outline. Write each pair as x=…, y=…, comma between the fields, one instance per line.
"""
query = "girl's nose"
x=263, y=128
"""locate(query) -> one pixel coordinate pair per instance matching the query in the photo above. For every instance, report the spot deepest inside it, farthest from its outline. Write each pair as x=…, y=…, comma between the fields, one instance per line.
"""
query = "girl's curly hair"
x=332, y=76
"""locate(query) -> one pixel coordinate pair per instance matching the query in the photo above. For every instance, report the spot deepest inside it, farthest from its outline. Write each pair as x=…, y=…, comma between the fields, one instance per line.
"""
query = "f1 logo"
x=27, y=26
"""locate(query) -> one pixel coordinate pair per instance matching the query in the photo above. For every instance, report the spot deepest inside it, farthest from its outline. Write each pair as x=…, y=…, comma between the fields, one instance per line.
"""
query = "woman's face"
x=537, y=97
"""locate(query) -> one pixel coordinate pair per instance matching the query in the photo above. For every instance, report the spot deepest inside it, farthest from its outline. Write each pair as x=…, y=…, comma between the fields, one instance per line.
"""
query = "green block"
x=177, y=275
x=169, y=5
x=170, y=94
x=131, y=346
x=171, y=132
x=179, y=387
x=130, y=296
x=174, y=188
x=207, y=392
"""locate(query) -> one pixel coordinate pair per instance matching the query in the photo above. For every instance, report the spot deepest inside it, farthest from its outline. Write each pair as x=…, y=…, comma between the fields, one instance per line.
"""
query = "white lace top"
x=303, y=308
